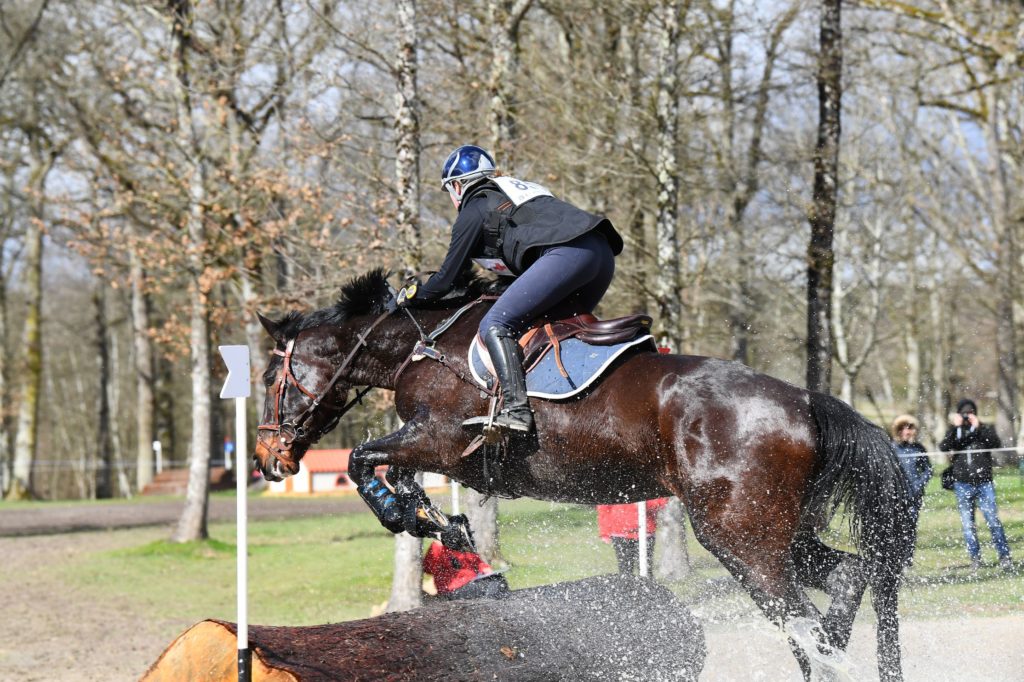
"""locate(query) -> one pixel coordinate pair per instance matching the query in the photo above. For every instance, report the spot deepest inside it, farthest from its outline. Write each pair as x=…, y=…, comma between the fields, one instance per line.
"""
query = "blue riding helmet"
x=466, y=163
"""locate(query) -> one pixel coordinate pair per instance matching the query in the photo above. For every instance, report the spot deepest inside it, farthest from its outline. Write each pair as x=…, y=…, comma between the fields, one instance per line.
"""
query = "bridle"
x=293, y=430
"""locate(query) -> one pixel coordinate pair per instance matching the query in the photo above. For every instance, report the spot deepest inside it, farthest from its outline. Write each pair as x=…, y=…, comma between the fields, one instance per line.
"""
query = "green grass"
x=941, y=583
x=329, y=569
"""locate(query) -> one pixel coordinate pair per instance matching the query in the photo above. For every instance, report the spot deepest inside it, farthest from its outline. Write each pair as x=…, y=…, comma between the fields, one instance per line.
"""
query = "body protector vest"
x=524, y=218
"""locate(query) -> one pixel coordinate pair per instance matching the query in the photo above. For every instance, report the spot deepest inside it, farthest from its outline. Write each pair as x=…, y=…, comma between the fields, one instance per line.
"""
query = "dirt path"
x=46, y=519
x=48, y=632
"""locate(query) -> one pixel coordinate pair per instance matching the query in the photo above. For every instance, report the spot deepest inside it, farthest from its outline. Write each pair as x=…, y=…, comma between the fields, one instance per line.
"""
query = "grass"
x=329, y=569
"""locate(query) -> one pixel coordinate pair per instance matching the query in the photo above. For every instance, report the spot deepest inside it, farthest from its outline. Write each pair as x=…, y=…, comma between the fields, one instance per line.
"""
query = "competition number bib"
x=521, y=191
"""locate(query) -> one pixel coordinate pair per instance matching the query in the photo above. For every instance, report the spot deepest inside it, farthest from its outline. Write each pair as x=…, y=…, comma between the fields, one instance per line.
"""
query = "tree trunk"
x=1007, y=260
x=192, y=524
x=407, y=580
x=566, y=631
x=912, y=348
x=406, y=583
x=407, y=139
x=670, y=540
x=504, y=18
x=145, y=433
x=31, y=376
x=483, y=521
x=667, y=282
x=820, y=257
x=104, y=465
x=6, y=423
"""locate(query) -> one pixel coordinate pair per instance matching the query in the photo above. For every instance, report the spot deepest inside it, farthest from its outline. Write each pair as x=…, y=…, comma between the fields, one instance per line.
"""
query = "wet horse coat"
x=758, y=463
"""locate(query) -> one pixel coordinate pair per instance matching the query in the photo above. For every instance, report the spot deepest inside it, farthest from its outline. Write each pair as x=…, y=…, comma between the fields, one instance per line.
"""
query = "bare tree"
x=668, y=17
x=820, y=255
x=406, y=585
x=42, y=160
x=192, y=523
x=145, y=433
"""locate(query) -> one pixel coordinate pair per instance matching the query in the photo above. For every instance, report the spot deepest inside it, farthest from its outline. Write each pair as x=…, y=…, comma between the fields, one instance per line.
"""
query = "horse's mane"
x=370, y=294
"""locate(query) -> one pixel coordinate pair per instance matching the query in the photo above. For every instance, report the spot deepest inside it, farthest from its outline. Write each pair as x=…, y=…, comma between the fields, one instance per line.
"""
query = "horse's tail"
x=859, y=470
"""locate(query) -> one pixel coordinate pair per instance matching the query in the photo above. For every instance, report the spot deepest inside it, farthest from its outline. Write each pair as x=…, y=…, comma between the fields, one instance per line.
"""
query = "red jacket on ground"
x=622, y=520
x=451, y=569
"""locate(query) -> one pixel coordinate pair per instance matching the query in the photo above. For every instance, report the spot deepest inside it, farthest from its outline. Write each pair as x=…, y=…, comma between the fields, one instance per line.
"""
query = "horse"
x=759, y=464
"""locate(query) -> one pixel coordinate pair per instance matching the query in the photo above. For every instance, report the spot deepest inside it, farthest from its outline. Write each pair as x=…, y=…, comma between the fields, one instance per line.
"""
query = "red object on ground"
x=622, y=520
x=451, y=569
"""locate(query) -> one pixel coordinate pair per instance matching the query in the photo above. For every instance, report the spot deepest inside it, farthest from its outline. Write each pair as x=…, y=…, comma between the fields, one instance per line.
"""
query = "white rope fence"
x=930, y=453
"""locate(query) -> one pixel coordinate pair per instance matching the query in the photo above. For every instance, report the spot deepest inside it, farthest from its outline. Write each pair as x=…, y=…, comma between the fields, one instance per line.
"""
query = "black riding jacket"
x=490, y=225
x=971, y=467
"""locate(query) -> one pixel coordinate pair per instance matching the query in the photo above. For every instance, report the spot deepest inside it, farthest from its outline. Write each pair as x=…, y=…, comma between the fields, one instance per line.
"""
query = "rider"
x=563, y=259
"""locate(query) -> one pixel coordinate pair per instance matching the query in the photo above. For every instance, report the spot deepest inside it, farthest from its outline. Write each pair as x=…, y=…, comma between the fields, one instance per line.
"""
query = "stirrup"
x=504, y=420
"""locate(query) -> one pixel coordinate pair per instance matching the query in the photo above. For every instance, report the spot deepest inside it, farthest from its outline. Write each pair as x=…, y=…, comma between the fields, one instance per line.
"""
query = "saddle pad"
x=582, y=362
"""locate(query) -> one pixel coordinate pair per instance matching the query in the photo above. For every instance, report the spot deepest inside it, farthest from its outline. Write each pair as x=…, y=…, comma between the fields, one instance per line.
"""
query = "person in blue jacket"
x=914, y=462
x=562, y=258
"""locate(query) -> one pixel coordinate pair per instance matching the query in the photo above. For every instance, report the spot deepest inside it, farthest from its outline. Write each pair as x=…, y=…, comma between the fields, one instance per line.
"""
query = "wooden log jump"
x=606, y=627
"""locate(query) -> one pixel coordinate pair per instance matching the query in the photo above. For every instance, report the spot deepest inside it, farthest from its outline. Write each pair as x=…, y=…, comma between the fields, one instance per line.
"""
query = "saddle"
x=547, y=336
x=561, y=358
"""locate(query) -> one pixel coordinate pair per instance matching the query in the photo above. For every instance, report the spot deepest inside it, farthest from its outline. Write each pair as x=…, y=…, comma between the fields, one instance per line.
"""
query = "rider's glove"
x=406, y=295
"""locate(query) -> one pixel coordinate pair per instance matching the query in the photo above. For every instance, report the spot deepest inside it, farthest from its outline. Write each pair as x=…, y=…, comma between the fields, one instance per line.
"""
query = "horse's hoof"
x=457, y=535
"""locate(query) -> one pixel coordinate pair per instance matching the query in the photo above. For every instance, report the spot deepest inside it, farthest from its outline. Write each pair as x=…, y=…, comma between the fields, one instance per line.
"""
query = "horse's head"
x=304, y=397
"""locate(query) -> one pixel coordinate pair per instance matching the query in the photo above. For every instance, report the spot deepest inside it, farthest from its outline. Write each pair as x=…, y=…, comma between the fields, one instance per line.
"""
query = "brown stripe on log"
x=606, y=627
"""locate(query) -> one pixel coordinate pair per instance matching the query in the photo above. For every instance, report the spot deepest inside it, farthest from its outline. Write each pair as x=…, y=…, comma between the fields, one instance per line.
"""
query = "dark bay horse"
x=759, y=464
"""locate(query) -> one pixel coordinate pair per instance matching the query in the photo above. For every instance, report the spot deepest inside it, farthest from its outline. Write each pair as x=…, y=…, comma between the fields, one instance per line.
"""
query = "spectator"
x=619, y=524
x=970, y=443
x=462, y=575
x=916, y=466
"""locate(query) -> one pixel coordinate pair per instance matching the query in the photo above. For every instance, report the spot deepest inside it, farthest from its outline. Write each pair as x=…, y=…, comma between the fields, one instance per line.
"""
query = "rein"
x=290, y=431
x=424, y=348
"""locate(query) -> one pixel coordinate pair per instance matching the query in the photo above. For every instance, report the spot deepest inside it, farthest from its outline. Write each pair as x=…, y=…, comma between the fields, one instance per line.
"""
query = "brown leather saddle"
x=546, y=336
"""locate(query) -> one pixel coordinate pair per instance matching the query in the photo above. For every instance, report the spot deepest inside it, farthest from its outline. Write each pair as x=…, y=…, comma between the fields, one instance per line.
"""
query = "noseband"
x=292, y=430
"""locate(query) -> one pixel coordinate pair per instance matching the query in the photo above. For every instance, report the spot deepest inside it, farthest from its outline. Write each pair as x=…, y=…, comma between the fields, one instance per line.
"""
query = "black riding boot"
x=507, y=358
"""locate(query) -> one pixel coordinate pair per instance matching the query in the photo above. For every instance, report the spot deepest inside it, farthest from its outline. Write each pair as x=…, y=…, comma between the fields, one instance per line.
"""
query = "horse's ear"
x=273, y=328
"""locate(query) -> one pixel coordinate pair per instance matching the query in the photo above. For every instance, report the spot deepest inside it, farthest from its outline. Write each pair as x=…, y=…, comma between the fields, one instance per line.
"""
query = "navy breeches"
x=568, y=279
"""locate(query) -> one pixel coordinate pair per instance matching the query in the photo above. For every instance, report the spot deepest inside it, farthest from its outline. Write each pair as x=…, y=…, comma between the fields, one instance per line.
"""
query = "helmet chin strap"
x=463, y=185
x=455, y=194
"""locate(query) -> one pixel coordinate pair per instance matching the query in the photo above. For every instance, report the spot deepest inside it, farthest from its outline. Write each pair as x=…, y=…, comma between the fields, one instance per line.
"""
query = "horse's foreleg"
x=399, y=502
x=381, y=499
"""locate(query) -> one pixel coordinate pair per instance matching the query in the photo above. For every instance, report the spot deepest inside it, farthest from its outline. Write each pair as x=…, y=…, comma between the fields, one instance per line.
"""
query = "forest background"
x=171, y=168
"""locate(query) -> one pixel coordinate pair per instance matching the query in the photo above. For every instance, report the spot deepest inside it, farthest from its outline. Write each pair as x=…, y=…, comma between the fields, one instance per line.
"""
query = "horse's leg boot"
x=506, y=356
x=420, y=518
x=384, y=504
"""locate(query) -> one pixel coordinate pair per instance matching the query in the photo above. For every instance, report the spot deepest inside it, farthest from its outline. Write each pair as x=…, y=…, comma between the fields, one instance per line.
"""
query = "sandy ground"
x=47, y=632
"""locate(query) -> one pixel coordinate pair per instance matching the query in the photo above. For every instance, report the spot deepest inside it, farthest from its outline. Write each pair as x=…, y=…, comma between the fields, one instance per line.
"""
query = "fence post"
x=237, y=386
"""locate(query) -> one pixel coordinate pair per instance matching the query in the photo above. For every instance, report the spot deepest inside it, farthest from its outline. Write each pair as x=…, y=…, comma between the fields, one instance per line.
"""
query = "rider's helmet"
x=468, y=164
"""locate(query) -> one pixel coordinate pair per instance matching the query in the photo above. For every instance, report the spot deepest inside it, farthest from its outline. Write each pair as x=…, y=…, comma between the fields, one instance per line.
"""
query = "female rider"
x=562, y=257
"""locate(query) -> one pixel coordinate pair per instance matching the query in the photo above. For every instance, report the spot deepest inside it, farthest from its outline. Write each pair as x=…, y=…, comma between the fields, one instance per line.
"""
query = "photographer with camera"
x=970, y=441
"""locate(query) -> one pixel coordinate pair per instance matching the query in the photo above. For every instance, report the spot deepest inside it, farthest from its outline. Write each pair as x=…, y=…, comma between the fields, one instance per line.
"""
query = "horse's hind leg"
x=841, y=575
x=763, y=564
x=773, y=587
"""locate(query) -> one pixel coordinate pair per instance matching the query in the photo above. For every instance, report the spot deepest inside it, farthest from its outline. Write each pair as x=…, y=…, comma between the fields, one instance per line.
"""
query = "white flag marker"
x=238, y=386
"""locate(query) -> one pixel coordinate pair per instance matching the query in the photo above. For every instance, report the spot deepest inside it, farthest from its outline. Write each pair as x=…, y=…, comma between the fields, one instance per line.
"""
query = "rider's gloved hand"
x=406, y=295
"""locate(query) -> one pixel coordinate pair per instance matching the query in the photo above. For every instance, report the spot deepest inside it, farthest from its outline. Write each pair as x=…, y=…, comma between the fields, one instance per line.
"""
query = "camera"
x=966, y=416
